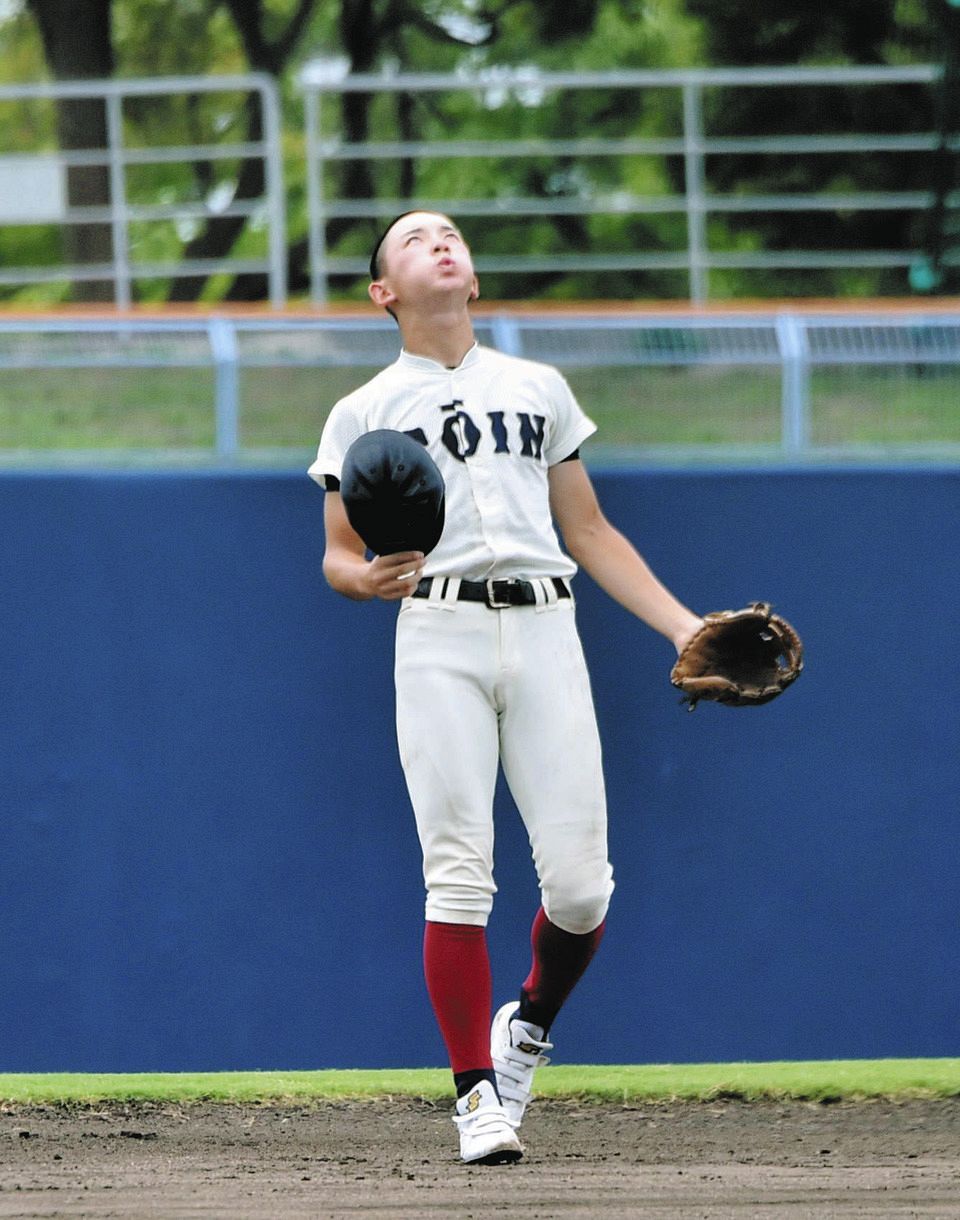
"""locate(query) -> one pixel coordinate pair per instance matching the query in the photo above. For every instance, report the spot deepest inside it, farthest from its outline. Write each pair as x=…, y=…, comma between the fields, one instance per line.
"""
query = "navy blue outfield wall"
x=207, y=860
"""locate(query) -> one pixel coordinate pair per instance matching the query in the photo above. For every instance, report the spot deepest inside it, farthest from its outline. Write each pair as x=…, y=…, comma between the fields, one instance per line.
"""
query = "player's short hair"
x=375, y=269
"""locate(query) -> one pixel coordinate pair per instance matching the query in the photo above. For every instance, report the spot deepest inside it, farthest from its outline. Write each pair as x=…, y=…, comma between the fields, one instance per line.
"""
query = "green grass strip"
x=832, y=1080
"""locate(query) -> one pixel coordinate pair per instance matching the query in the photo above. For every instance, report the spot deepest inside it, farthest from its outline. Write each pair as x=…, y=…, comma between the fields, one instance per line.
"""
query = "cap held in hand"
x=392, y=493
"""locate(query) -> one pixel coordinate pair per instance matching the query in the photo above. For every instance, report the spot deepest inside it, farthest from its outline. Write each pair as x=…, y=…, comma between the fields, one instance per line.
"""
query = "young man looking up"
x=489, y=666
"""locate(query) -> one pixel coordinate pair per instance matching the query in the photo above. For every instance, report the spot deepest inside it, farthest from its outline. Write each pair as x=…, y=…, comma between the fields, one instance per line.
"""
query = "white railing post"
x=316, y=219
x=695, y=197
x=276, y=201
x=795, y=385
x=506, y=334
x=122, y=289
x=226, y=362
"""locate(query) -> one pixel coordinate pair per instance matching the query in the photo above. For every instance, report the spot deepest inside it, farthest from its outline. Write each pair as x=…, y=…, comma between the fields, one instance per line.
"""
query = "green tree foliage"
x=532, y=38
x=740, y=32
x=938, y=267
x=157, y=37
x=845, y=32
x=166, y=37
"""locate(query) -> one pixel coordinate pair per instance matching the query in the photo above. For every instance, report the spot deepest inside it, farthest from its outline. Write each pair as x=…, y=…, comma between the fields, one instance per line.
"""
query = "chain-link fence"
x=777, y=386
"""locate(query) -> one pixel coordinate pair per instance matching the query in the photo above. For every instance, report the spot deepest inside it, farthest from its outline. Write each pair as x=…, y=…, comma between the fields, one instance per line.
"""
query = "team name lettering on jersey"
x=490, y=407
x=461, y=436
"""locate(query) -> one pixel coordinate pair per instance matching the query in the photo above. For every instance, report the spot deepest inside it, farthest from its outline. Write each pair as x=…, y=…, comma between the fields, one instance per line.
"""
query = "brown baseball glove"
x=739, y=657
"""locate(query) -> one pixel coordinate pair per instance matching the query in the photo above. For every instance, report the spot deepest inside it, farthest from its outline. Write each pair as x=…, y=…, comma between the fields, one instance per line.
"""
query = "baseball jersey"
x=494, y=425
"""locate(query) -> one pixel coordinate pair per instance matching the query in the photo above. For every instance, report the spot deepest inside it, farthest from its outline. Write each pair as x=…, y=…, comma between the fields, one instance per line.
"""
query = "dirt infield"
x=397, y=1158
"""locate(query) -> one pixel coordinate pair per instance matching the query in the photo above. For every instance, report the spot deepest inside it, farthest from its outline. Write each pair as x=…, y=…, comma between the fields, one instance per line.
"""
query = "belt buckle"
x=492, y=600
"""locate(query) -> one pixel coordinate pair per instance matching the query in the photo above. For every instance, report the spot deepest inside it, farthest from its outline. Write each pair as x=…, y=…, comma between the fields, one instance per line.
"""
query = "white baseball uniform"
x=474, y=684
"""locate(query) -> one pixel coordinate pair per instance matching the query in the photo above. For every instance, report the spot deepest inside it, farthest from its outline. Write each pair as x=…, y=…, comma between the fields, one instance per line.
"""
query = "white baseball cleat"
x=516, y=1048
x=486, y=1135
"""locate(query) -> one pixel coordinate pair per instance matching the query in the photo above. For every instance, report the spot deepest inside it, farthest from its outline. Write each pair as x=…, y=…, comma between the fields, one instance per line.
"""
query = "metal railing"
x=712, y=364
x=692, y=145
x=688, y=248
x=120, y=213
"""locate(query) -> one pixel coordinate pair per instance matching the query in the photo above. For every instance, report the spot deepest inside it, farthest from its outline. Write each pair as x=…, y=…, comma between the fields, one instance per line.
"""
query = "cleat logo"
x=473, y=1101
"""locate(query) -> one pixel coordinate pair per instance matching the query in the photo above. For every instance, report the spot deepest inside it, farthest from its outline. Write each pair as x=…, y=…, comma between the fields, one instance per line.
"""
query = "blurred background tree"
x=937, y=269
x=69, y=39
x=845, y=32
x=81, y=122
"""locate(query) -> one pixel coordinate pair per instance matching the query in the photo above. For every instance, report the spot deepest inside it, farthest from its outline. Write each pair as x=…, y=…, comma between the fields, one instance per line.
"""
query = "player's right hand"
x=392, y=577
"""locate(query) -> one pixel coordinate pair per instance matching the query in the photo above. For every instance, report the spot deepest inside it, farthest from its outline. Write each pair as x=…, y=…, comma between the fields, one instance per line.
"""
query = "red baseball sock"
x=457, y=970
x=559, y=959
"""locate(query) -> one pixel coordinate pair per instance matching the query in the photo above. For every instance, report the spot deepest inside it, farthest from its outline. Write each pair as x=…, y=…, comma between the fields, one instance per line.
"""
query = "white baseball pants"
x=475, y=686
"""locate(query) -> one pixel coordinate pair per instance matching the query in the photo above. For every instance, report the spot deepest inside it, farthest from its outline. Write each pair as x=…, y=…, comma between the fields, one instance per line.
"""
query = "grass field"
x=831, y=1080
x=116, y=411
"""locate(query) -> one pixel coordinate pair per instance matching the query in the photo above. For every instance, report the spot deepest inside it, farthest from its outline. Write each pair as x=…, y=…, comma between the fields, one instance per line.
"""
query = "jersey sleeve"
x=342, y=428
x=572, y=425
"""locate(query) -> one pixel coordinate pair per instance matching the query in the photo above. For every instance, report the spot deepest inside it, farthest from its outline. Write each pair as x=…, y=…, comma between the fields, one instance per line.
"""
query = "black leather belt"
x=497, y=594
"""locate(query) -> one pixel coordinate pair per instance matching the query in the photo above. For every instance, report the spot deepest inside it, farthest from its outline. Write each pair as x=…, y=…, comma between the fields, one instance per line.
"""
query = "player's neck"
x=441, y=337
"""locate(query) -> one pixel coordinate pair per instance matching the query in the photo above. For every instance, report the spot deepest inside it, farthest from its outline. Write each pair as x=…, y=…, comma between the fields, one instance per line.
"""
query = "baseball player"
x=489, y=665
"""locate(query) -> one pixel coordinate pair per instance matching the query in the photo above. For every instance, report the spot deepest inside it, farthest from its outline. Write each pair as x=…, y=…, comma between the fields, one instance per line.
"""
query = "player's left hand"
x=686, y=634
x=739, y=657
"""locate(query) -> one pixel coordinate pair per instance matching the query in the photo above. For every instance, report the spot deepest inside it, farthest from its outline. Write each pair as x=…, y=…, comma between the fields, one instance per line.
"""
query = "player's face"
x=424, y=256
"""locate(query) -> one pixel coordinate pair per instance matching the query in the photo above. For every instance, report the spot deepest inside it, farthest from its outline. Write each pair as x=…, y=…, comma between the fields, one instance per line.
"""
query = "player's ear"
x=475, y=290
x=380, y=294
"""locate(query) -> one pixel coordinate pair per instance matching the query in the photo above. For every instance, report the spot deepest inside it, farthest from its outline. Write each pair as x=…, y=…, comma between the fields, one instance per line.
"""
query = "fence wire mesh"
x=778, y=386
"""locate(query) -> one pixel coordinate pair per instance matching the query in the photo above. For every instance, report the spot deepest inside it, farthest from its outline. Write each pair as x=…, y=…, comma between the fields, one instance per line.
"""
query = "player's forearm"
x=347, y=574
x=614, y=563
